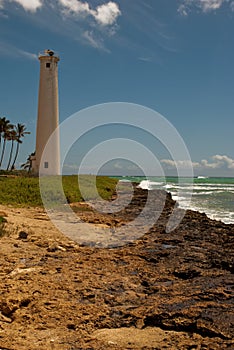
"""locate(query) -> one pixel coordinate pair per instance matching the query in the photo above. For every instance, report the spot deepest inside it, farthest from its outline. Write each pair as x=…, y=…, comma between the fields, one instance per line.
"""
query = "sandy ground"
x=57, y=294
x=36, y=223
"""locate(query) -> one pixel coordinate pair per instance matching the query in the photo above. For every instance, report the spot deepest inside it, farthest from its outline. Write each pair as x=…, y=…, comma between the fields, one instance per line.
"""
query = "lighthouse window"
x=46, y=165
x=47, y=65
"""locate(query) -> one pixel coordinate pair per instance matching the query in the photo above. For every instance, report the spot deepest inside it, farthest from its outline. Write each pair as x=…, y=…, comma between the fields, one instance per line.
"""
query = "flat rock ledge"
x=163, y=290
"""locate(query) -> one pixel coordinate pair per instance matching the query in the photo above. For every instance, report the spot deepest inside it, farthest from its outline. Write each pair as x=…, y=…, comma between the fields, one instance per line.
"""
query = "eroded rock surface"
x=162, y=291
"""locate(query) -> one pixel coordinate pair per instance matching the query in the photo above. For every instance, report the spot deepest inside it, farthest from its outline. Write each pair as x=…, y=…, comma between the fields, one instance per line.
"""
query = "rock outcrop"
x=165, y=290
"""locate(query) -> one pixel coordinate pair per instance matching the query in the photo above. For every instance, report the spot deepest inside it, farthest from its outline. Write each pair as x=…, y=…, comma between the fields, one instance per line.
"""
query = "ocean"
x=213, y=196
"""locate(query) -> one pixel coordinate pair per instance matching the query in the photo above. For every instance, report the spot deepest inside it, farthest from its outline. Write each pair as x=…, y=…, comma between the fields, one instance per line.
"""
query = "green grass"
x=25, y=191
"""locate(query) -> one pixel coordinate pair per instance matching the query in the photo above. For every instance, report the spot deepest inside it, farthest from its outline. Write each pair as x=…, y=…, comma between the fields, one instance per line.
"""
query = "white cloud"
x=29, y=5
x=145, y=59
x=207, y=165
x=75, y=6
x=12, y=51
x=218, y=162
x=224, y=161
x=209, y=5
x=179, y=164
x=205, y=6
x=124, y=165
x=93, y=41
x=105, y=14
x=232, y=6
x=85, y=22
x=26, y=54
x=183, y=10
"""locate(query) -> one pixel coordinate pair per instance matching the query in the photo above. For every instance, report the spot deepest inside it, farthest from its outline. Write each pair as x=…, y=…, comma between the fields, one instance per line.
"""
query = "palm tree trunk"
x=9, y=162
x=16, y=155
x=3, y=151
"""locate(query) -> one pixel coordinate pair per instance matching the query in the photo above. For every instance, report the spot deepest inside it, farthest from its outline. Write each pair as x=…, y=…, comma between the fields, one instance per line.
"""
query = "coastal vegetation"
x=25, y=190
x=12, y=134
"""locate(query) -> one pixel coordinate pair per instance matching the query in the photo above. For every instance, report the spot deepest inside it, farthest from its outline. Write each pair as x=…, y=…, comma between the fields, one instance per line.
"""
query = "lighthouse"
x=47, y=163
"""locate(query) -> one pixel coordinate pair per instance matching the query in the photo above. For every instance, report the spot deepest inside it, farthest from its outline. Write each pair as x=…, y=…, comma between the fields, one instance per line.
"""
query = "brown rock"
x=23, y=235
x=165, y=290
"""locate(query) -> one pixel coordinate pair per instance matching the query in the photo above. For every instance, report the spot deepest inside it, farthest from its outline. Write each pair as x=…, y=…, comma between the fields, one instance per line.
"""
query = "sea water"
x=213, y=196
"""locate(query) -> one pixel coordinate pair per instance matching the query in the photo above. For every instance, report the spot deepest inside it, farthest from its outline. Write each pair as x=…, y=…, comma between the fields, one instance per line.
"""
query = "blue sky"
x=175, y=57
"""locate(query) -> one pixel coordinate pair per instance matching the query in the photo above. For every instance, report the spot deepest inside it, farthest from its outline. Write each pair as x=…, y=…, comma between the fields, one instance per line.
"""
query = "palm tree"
x=28, y=164
x=3, y=122
x=20, y=132
x=11, y=137
x=6, y=128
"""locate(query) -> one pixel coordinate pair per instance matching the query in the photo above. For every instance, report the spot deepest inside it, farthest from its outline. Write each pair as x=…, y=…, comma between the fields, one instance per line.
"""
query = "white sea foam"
x=199, y=188
x=200, y=201
x=145, y=185
x=149, y=185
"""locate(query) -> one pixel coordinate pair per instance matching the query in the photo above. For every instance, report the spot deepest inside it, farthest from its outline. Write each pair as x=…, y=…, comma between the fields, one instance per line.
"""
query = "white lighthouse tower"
x=48, y=117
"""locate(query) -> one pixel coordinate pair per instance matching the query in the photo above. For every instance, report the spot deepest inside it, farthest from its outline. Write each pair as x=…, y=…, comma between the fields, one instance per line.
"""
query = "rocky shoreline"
x=164, y=290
